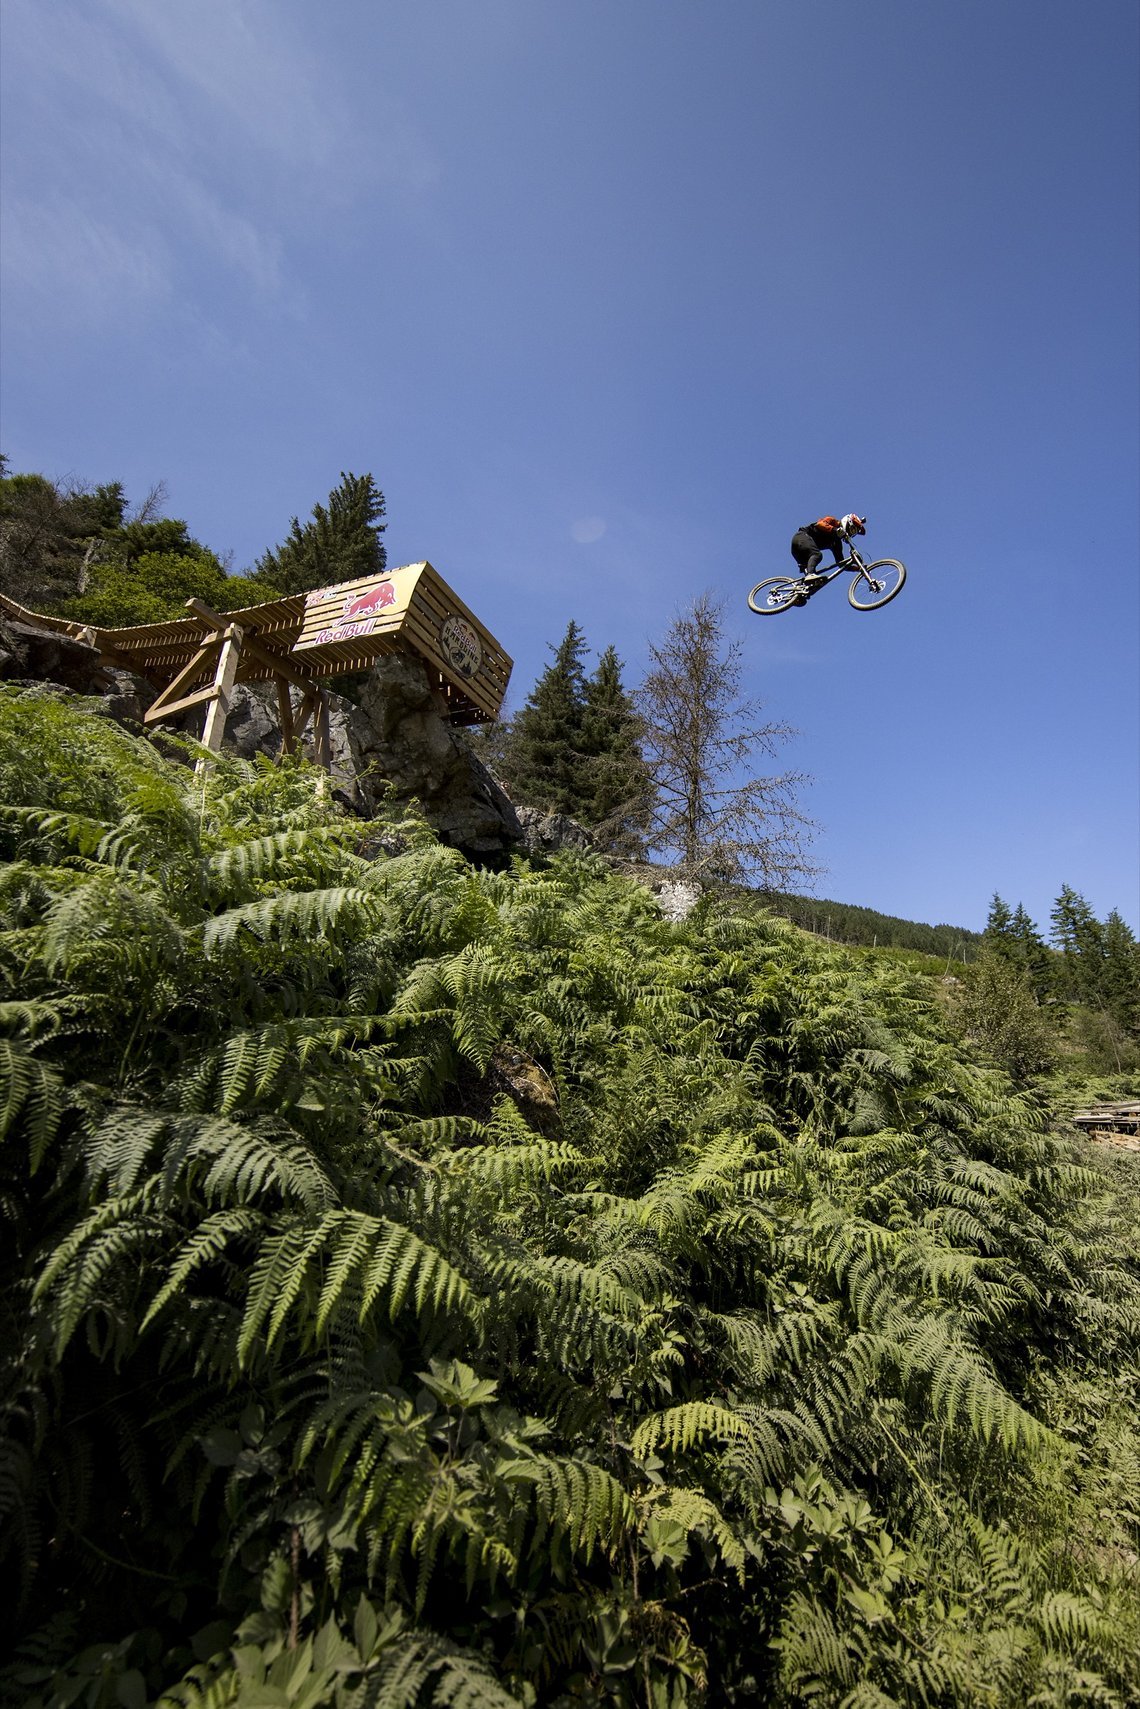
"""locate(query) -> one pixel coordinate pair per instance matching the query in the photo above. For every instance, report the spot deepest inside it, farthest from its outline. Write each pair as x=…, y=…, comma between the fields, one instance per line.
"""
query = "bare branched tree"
x=152, y=506
x=701, y=741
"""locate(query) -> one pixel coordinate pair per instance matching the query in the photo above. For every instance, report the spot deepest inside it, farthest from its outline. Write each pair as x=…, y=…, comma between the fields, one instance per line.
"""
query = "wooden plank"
x=224, y=676
x=425, y=615
x=168, y=710
x=305, y=711
x=284, y=639
x=202, y=659
x=483, y=693
x=272, y=663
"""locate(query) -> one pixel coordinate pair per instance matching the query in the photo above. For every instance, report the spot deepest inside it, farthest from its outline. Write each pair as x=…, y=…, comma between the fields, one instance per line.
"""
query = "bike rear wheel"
x=778, y=593
x=877, y=584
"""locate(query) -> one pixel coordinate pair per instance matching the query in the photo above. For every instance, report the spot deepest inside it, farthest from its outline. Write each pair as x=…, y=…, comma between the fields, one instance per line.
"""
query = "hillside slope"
x=428, y=1285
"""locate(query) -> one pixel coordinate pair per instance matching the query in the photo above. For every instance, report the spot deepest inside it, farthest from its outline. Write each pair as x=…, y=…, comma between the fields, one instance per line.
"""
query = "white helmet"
x=853, y=524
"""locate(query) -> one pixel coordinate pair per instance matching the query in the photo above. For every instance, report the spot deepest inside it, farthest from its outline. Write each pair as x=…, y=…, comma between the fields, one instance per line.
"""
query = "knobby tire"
x=785, y=590
x=893, y=574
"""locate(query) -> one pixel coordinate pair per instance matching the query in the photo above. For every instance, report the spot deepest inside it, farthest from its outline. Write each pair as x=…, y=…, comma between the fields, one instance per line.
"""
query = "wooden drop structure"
x=303, y=641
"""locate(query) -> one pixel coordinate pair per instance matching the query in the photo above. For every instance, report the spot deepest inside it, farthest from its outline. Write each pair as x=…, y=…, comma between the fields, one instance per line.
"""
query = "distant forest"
x=847, y=923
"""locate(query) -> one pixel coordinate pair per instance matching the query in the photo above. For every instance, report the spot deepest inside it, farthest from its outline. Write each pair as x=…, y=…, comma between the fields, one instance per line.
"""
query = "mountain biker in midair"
x=829, y=533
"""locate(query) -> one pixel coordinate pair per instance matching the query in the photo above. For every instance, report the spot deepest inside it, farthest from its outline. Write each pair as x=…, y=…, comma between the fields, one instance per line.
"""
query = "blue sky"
x=612, y=295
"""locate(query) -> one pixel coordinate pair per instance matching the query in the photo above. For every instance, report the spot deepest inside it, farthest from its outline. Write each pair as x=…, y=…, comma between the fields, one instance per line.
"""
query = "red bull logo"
x=365, y=604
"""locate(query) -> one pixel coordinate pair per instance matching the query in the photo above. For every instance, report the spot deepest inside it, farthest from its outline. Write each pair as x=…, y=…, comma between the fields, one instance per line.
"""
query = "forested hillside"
x=424, y=1285
x=847, y=922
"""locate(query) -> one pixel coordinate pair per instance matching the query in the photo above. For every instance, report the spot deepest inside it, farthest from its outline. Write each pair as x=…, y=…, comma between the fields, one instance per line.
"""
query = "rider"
x=830, y=533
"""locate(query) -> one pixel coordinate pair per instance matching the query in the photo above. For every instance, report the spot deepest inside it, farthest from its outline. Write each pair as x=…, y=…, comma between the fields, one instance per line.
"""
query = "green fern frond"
x=293, y=916
x=209, y=1241
x=360, y=1258
x=31, y=1091
x=576, y=1497
x=679, y=1428
x=961, y=1386
x=693, y=1511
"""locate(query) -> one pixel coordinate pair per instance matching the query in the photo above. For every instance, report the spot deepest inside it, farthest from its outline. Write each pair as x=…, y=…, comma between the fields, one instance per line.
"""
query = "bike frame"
x=852, y=562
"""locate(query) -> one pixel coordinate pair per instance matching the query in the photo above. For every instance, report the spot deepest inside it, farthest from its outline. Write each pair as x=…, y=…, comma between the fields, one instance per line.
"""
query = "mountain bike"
x=873, y=585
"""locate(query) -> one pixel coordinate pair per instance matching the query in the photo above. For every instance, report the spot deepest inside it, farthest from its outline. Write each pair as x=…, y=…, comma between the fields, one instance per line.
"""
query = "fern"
x=31, y=1092
x=787, y=1295
x=680, y=1427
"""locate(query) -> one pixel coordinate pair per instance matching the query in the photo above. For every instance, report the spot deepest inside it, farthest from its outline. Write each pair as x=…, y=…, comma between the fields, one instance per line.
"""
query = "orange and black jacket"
x=827, y=535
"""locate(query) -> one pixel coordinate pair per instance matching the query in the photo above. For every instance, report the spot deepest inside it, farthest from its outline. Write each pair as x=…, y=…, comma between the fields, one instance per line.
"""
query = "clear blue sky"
x=610, y=297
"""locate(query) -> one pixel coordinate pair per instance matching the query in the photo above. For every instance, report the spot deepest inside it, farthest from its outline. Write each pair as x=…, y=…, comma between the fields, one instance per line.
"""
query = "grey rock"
x=677, y=898
x=396, y=745
x=253, y=723
x=546, y=833
x=253, y=727
x=46, y=655
x=30, y=653
x=13, y=656
x=402, y=746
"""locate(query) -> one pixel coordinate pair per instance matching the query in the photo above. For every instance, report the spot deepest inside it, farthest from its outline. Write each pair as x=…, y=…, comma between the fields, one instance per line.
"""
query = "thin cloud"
x=60, y=241
x=159, y=138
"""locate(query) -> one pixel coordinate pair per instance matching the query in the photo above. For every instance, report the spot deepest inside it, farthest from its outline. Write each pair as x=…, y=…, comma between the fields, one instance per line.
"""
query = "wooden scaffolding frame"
x=301, y=642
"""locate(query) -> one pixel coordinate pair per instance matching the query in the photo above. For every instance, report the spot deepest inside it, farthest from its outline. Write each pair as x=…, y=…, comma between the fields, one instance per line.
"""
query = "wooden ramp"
x=305, y=641
x=1112, y=1124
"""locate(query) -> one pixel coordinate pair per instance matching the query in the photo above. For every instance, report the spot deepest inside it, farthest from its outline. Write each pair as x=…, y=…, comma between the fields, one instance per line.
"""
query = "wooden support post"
x=250, y=645
x=322, y=735
x=305, y=711
x=224, y=676
x=285, y=708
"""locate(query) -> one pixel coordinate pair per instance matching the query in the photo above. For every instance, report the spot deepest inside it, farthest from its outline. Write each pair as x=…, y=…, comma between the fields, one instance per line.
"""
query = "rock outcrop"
x=34, y=654
x=394, y=745
x=545, y=833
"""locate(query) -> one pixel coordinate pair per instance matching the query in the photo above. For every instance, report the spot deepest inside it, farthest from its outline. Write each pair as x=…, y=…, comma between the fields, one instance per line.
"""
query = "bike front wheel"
x=876, y=584
x=779, y=593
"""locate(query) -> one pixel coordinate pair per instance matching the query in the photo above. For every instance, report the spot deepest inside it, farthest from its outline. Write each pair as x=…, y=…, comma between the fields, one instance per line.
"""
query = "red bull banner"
x=360, y=613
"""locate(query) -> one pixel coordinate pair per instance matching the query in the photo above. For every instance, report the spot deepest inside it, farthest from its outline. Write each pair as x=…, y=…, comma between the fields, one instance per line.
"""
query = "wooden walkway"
x=302, y=642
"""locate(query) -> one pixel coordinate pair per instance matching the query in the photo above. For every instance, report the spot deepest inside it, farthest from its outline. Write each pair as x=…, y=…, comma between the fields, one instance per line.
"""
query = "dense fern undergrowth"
x=427, y=1286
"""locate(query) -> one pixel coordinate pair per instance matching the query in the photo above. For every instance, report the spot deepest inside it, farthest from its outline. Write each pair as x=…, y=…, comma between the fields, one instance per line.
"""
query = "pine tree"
x=1121, y=972
x=1034, y=958
x=545, y=763
x=1078, y=935
x=999, y=933
x=341, y=543
x=619, y=782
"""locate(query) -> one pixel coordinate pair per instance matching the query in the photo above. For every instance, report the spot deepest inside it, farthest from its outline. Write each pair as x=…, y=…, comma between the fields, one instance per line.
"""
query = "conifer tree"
x=545, y=762
x=340, y=543
x=1011, y=935
x=620, y=787
x=999, y=933
x=1078, y=935
x=1121, y=972
x=1035, y=959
